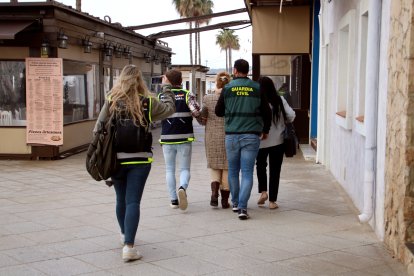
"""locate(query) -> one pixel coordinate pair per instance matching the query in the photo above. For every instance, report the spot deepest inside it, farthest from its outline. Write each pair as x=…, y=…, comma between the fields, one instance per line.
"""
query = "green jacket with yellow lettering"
x=244, y=107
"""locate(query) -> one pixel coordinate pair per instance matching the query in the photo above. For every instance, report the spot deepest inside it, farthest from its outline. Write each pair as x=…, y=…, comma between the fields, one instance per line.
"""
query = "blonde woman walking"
x=134, y=109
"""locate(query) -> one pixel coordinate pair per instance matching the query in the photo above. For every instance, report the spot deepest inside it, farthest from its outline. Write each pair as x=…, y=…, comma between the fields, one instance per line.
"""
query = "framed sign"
x=44, y=99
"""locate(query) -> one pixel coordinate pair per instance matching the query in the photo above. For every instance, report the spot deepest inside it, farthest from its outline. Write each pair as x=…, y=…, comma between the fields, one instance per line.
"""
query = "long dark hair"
x=267, y=87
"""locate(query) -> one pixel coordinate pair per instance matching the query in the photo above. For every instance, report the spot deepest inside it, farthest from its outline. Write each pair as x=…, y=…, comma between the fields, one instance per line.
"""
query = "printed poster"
x=44, y=101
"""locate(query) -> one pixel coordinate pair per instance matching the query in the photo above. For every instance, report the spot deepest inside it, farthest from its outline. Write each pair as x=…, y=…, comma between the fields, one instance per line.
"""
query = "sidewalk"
x=56, y=220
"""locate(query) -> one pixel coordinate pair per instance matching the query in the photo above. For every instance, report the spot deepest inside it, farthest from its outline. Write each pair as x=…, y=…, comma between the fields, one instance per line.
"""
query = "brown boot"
x=215, y=186
x=225, y=199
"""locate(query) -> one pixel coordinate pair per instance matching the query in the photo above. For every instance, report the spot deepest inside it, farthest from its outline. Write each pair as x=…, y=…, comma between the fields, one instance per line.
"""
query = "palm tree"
x=185, y=9
x=191, y=8
x=220, y=41
x=233, y=44
x=228, y=41
x=205, y=7
x=78, y=5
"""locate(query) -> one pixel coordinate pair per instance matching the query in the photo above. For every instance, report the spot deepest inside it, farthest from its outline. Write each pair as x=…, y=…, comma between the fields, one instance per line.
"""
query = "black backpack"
x=130, y=137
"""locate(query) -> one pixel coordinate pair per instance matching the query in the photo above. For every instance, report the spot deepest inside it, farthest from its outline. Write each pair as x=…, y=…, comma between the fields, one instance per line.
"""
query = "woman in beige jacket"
x=214, y=143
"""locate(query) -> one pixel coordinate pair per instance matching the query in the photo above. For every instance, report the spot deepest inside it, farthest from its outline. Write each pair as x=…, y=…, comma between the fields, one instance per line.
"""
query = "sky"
x=131, y=13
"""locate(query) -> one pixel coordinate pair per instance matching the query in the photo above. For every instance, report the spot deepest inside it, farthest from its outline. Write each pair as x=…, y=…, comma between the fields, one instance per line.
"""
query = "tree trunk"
x=196, y=45
x=227, y=60
x=199, y=48
x=230, y=62
x=78, y=5
x=191, y=45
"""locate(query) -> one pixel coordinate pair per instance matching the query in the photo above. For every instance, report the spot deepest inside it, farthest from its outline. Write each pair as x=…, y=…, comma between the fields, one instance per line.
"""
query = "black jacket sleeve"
x=266, y=113
x=220, y=108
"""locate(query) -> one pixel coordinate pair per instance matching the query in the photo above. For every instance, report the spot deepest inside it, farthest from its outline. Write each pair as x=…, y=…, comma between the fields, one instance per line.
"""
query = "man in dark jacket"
x=247, y=120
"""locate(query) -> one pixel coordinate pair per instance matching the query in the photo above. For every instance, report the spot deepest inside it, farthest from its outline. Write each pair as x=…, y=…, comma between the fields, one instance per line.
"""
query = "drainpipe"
x=371, y=107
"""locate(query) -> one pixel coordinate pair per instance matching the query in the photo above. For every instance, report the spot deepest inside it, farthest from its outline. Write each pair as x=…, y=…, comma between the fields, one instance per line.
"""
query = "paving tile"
x=6, y=260
x=64, y=266
x=330, y=242
x=272, y=269
x=34, y=253
x=21, y=270
x=140, y=268
x=186, y=247
x=234, y=259
x=346, y=259
x=154, y=236
x=14, y=241
x=374, y=251
x=103, y=259
x=77, y=247
x=102, y=273
x=24, y=227
x=387, y=270
x=314, y=266
x=188, y=266
x=155, y=252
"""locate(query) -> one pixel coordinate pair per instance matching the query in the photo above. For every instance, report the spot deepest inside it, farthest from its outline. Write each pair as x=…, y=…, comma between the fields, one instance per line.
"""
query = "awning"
x=8, y=29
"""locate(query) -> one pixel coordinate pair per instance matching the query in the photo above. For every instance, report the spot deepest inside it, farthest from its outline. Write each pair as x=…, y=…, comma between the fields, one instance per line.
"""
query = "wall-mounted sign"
x=44, y=101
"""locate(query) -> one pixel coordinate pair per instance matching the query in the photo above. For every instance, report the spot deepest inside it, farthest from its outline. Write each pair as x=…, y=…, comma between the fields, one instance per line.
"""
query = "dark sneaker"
x=235, y=208
x=243, y=214
x=182, y=198
x=174, y=204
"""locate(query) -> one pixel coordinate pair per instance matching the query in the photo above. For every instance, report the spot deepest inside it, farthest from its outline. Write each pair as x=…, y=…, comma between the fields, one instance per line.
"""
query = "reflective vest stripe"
x=177, y=136
x=181, y=114
x=150, y=109
x=189, y=140
x=126, y=155
x=137, y=162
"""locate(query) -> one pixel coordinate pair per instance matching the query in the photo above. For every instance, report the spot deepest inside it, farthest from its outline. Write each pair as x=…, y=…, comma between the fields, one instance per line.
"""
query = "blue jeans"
x=182, y=152
x=129, y=182
x=241, y=150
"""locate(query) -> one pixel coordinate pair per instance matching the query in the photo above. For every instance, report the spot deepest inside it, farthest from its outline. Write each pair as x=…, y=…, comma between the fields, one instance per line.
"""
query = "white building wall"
x=346, y=146
x=344, y=149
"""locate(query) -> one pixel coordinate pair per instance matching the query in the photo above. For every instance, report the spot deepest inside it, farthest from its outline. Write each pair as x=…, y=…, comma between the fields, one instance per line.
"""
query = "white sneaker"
x=122, y=238
x=130, y=254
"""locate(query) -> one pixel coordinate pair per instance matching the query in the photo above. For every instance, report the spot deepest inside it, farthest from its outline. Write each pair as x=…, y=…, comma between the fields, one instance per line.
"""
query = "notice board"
x=44, y=101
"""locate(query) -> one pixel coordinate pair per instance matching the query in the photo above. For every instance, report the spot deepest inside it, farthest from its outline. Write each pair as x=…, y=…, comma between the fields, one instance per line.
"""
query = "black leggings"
x=275, y=154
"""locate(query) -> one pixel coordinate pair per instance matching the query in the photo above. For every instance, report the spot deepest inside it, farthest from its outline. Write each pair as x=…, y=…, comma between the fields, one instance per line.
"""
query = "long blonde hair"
x=127, y=90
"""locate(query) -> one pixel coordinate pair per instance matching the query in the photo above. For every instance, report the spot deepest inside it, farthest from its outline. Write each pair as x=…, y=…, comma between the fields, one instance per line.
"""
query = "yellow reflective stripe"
x=178, y=142
x=137, y=162
x=150, y=109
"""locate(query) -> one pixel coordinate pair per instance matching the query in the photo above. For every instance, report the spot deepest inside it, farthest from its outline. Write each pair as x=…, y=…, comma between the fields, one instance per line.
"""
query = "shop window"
x=156, y=84
x=12, y=93
x=362, y=64
x=81, y=100
x=346, y=53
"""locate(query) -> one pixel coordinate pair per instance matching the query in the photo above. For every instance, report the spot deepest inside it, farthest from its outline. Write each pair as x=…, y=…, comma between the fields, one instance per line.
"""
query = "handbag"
x=101, y=158
x=290, y=140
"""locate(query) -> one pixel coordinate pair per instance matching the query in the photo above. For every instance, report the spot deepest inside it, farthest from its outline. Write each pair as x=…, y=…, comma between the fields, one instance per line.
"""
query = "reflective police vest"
x=133, y=143
x=178, y=128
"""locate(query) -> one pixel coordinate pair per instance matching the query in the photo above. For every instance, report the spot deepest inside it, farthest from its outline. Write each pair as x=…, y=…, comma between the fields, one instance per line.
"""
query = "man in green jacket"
x=247, y=120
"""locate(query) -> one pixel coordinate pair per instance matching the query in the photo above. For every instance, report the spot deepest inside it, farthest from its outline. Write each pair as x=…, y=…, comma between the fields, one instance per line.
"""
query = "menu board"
x=44, y=101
